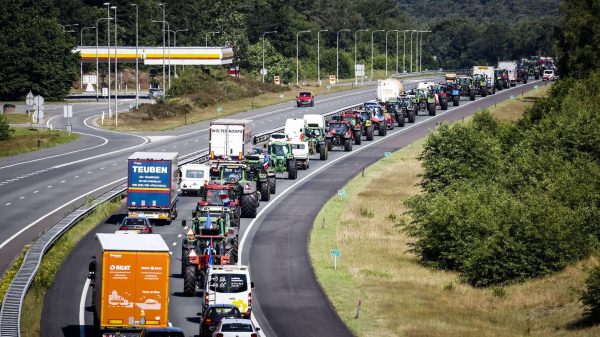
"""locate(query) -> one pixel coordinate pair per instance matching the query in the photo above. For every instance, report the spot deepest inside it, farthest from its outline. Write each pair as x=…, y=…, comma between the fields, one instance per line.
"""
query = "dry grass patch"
x=511, y=110
x=27, y=140
x=18, y=118
x=402, y=298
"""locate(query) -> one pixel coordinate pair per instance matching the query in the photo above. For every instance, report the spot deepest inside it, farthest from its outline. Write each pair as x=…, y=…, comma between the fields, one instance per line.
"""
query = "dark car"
x=214, y=314
x=139, y=224
x=162, y=332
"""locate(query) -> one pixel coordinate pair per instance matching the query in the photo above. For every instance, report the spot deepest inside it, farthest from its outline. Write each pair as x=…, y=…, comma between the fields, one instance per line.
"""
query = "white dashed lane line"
x=62, y=181
x=35, y=192
x=174, y=243
x=49, y=186
x=8, y=204
x=21, y=198
x=76, y=177
x=89, y=172
x=102, y=168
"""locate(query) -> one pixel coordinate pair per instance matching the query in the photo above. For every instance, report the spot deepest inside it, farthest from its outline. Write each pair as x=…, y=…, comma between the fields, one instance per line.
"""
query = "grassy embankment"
x=51, y=263
x=27, y=140
x=402, y=298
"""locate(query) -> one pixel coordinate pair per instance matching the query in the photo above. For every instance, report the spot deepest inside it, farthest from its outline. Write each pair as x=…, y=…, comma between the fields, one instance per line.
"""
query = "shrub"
x=591, y=296
x=4, y=128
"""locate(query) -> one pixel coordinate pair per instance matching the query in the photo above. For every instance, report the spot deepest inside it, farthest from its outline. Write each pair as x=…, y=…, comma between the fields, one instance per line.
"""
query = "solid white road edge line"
x=86, y=285
x=7, y=241
x=329, y=163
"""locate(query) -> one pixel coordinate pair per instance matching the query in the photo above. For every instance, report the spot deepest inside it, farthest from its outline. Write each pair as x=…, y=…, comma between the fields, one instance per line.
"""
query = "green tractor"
x=315, y=137
x=426, y=101
x=261, y=172
x=239, y=175
x=406, y=104
x=467, y=88
x=282, y=159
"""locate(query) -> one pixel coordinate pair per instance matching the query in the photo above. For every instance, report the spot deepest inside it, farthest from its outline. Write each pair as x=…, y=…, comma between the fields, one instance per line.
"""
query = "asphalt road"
x=286, y=292
x=39, y=188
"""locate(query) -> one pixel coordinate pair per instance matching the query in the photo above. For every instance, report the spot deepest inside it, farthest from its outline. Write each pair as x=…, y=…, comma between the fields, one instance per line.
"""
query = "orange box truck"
x=131, y=282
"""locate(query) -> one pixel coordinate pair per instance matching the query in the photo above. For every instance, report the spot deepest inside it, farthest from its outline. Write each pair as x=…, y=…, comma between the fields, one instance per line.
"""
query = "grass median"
x=398, y=296
x=51, y=262
x=27, y=140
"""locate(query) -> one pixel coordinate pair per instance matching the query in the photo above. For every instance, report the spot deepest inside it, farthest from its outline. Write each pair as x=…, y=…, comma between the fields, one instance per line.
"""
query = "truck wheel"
x=292, y=169
x=455, y=100
x=323, y=152
x=264, y=191
x=348, y=145
x=472, y=95
x=381, y=129
x=401, y=119
x=431, y=109
x=357, y=138
x=370, y=131
x=249, y=205
x=272, y=185
x=189, y=280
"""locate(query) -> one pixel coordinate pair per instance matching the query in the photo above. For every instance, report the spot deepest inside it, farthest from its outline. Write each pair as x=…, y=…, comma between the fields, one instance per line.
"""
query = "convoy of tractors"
x=242, y=170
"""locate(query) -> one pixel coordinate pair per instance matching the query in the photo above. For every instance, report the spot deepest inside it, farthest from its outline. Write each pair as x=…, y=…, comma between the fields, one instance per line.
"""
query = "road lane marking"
x=49, y=186
x=35, y=192
x=8, y=203
x=22, y=197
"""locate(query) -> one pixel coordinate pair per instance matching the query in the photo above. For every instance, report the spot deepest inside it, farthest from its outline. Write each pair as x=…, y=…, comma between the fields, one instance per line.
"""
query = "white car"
x=278, y=137
x=548, y=75
x=235, y=327
x=193, y=178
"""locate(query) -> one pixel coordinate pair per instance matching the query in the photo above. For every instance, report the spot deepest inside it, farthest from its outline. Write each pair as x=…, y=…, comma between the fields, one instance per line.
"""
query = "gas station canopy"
x=154, y=55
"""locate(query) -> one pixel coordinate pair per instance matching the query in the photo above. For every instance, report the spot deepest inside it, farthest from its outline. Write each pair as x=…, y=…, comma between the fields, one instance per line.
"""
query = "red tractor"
x=339, y=133
x=358, y=126
x=223, y=196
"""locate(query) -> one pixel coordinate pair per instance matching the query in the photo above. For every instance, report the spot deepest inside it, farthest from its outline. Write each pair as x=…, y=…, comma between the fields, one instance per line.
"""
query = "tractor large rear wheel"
x=455, y=100
x=323, y=152
x=401, y=118
x=348, y=145
x=292, y=169
x=381, y=129
x=370, y=130
x=412, y=113
x=431, y=109
x=249, y=205
x=357, y=137
x=185, y=259
x=472, y=95
x=272, y=185
x=444, y=104
x=265, y=194
x=189, y=280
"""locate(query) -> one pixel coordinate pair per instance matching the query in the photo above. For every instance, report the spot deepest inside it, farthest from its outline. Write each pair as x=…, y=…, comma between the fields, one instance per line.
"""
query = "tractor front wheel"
x=444, y=104
x=381, y=129
x=472, y=95
x=323, y=152
x=370, y=131
x=348, y=145
x=357, y=137
x=400, y=118
x=189, y=280
x=272, y=185
x=412, y=114
x=292, y=169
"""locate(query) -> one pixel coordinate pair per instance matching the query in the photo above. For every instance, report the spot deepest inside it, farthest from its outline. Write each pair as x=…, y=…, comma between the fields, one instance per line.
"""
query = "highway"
x=39, y=188
x=288, y=301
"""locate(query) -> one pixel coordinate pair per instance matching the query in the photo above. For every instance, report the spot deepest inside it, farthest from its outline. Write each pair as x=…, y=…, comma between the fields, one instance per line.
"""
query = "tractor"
x=356, y=121
x=339, y=133
x=480, y=84
x=261, y=172
x=391, y=107
x=211, y=244
x=368, y=128
x=407, y=107
x=314, y=135
x=224, y=196
x=499, y=79
x=425, y=101
x=240, y=177
x=442, y=95
x=377, y=119
x=522, y=74
x=467, y=89
x=452, y=89
x=282, y=159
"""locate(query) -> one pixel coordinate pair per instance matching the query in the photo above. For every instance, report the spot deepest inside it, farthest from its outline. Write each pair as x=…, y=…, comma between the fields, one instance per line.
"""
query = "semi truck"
x=389, y=89
x=511, y=67
x=228, y=138
x=130, y=278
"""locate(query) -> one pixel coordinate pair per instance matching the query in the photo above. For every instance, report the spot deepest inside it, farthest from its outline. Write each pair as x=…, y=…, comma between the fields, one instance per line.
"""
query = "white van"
x=294, y=128
x=229, y=284
x=193, y=178
x=300, y=152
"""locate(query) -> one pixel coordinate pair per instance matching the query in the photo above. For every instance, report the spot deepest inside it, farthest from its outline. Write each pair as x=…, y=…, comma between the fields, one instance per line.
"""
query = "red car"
x=305, y=98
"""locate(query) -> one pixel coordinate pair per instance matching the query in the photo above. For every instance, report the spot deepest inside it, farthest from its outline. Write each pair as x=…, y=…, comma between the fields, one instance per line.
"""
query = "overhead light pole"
x=337, y=54
x=213, y=33
x=319, y=55
x=81, y=61
x=372, y=54
x=264, y=70
x=137, y=58
x=355, y=51
x=116, y=71
x=107, y=4
x=164, y=88
x=97, y=68
x=421, y=51
x=169, y=41
x=297, y=56
x=386, y=49
x=404, y=50
x=411, y=50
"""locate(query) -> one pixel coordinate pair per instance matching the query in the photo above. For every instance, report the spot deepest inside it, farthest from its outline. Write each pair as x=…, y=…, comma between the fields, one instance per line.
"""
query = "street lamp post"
x=81, y=61
x=213, y=33
x=411, y=50
x=116, y=71
x=169, y=41
x=263, y=70
x=297, y=54
x=421, y=51
x=404, y=50
x=386, y=49
x=319, y=55
x=137, y=78
x=337, y=53
x=163, y=31
x=355, y=50
x=372, y=54
x=107, y=4
x=97, y=68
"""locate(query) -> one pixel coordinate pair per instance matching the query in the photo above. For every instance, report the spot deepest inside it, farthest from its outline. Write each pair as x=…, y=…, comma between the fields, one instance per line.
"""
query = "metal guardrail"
x=10, y=312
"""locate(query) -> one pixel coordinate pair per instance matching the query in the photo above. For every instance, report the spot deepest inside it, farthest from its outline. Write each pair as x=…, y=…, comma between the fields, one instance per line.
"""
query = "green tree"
x=275, y=63
x=591, y=296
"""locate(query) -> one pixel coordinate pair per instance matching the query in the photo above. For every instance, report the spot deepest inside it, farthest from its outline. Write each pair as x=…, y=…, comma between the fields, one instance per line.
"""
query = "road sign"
x=335, y=253
x=104, y=92
x=341, y=193
x=68, y=111
x=281, y=96
x=387, y=154
x=89, y=79
x=219, y=109
x=29, y=98
x=359, y=70
x=38, y=100
x=332, y=79
x=263, y=71
x=277, y=80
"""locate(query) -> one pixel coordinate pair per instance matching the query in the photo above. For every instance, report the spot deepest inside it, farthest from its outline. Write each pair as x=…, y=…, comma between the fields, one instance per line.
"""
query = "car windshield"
x=228, y=283
x=298, y=146
x=237, y=327
x=338, y=128
x=199, y=174
x=304, y=94
x=134, y=222
x=350, y=119
x=232, y=173
x=224, y=312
